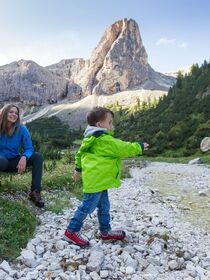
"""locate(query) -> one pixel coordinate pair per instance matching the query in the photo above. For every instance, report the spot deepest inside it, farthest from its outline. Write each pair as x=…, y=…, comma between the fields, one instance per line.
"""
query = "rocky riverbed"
x=165, y=210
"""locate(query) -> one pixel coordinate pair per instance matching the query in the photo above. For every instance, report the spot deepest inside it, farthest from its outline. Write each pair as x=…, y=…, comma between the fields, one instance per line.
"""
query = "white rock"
x=40, y=249
x=104, y=274
x=9, y=278
x=36, y=241
x=94, y=275
x=96, y=259
x=129, y=270
x=173, y=265
x=28, y=258
x=6, y=267
x=157, y=247
x=33, y=275
x=195, y=161
x=61, y=245
x=203, y=193
x=3, y=274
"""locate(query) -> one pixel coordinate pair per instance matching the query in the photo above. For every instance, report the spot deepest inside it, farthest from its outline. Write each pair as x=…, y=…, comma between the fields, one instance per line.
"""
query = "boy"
x=99, y=161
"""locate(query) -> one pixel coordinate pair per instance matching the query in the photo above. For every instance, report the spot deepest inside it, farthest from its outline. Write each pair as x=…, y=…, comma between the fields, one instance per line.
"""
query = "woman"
x=13, y=135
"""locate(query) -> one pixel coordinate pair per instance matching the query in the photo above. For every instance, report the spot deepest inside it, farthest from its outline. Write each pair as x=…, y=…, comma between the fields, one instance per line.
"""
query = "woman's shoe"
x=36, y=198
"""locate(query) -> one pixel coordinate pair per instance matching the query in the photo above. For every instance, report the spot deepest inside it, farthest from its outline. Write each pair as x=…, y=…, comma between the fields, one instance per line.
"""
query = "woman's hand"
x=76, y=176
x=21, y=167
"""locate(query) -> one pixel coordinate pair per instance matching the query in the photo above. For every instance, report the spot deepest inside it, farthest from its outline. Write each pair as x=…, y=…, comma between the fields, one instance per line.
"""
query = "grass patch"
x=58, y=201
x=17, y=225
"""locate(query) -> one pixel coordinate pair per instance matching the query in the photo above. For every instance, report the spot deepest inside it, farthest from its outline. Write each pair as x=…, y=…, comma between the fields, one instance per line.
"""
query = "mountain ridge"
x=118, y=63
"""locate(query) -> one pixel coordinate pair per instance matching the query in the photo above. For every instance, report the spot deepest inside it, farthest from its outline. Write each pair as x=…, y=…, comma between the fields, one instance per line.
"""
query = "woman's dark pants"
x=36, y=161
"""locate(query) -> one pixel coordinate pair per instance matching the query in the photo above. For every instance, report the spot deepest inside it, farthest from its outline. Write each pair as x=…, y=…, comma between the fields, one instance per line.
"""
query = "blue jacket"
x=10, y=145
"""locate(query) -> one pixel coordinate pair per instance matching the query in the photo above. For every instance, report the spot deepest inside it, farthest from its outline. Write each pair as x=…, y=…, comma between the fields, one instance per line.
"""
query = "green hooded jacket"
x=99, y=159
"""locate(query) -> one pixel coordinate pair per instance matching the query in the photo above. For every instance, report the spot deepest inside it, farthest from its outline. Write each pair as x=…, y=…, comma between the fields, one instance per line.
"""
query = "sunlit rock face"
x=118, y=62
x=27, y=82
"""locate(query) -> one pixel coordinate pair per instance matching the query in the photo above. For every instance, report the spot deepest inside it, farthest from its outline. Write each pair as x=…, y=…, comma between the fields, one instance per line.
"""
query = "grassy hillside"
x=176, y=125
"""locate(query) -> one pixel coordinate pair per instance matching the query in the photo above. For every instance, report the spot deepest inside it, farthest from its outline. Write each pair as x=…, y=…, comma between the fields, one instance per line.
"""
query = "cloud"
x=165, y=41
x=171, y=42
x=183, y=45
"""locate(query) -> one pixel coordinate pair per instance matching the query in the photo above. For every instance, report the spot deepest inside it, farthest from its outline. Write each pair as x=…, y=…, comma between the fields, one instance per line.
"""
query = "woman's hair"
x=3, y=120
x=98, y=114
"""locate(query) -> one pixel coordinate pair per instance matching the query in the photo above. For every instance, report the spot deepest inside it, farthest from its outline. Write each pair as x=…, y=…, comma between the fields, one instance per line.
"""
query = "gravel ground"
x=164, y=241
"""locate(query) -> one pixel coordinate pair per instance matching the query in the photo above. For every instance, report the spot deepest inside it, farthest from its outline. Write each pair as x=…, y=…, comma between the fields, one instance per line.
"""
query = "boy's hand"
x=146, y=146
x=76, y=176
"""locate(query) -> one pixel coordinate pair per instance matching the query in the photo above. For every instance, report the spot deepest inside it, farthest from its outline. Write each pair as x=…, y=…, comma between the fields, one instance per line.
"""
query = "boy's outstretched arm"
x=118, y=148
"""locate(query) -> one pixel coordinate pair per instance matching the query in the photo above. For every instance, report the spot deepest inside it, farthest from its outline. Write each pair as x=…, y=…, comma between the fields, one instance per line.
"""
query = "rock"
x=40, y=249
x=195, y=161
x=104, y=274
x=61, y=245
x=27, y=82
x=94, y=275
x=173, y=265
x=3, y=274
x=180, y=251
x=6, y=267
x=157, y=246
x=129, y=270
x=96, y=259
x=33, y=275
x=118, y=63
x=203, y=193
x=205, y=144
x=28, y=258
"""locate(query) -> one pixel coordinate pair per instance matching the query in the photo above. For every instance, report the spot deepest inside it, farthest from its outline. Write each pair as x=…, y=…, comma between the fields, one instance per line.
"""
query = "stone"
x=186, y=248
x=27, y=82
x=28, y=258
x=205, y=144
x=3, y=274
x=104, y=274
x=6, y=267
x=129, y=270
x=195, y=161
x=203, y=193
x=94, y=275
x=173, y=265
x=96, y=259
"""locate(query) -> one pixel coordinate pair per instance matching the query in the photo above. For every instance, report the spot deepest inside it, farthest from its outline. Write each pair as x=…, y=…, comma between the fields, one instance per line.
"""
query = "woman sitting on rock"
x=14, y=135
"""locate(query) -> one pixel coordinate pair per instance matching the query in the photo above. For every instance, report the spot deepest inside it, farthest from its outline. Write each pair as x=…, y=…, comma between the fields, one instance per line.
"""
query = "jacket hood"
x=90, y=130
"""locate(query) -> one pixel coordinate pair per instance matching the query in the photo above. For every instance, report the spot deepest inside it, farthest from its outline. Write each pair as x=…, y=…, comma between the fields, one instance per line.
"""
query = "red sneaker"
x=113, y=235
x=75, y=238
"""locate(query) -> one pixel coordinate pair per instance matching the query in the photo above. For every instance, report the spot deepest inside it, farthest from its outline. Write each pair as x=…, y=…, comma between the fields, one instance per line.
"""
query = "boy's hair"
x=98, y=114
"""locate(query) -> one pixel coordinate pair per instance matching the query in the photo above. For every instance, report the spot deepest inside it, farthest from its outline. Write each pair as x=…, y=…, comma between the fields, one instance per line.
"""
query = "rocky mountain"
x=118, y=63
x=27, y=82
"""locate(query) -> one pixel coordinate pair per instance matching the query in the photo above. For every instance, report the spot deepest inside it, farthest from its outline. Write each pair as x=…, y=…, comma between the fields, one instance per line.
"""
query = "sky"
x=175, y=34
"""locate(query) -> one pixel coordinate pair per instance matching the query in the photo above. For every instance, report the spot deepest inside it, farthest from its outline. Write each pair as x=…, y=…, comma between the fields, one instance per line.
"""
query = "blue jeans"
x=36, y=161
x=90, y=202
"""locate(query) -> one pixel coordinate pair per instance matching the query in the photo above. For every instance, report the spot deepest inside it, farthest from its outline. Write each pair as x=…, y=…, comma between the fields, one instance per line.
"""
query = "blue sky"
x=174, y=33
